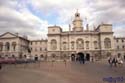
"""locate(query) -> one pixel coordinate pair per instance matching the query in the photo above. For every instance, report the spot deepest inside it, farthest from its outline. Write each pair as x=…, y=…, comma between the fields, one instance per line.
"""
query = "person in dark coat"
x=0, y=66
x=114, y=61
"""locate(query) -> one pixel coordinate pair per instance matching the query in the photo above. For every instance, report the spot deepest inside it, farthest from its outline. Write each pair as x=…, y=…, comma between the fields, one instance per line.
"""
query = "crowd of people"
x=115, y=61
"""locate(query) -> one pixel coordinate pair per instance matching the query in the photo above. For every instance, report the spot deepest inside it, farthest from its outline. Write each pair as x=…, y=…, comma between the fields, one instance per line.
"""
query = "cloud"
x=32, y=17
x=21, y=21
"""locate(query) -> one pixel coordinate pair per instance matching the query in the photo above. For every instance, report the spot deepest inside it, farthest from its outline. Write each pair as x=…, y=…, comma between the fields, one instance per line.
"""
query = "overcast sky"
x=32, y=17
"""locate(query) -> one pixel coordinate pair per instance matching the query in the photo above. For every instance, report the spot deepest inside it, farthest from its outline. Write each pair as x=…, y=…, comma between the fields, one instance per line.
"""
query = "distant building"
x=13, y=45
x=120, y=46
x=38, y=48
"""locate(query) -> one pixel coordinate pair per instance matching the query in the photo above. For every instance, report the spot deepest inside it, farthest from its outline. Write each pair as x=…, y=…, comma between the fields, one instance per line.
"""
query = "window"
x=7, y=46
x=14, y=46
x=80, y=44
x=53, y=44
x=45, y=49
x=64, y=45
x=1, y=46
x=72, y=45
x=35, y=49
x=107, y=43
x=40, y=49
x=95, y=45
x=122, y=40
x=116, y=40
x=117, y=47
x=87, y=44
x=41, y=56
x=123, y=47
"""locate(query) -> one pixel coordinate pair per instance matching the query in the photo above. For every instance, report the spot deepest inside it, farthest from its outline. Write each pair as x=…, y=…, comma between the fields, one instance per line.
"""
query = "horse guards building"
x=97, y=43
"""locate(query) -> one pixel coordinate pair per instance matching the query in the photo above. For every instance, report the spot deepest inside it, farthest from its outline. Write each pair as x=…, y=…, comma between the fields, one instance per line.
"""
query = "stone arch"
x=7, y=46
x=14, y=46
x=36, y=57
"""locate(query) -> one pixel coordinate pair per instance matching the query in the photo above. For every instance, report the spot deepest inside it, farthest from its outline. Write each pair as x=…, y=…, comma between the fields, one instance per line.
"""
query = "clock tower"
x=77, y=22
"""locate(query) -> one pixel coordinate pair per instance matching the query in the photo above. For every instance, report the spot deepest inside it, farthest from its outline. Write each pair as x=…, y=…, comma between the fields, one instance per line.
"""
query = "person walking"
x=0, y=66
x=114, y=61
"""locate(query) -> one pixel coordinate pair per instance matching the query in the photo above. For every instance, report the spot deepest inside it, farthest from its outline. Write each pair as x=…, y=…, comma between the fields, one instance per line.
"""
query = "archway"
x=36, y=58
x=72, y=57
x=87, y=57
x=81, y=57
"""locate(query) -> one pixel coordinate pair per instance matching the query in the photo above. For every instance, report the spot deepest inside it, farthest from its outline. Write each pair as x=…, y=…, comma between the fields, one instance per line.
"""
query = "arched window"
x=64, y=45
x=107, y=43
x=53, y=55
x=14, y=46
x=95, y=45
x=1, y=46
x=13, y=56
x=80, y=44
x=41, y=56
x=53, y=44
x=87, y=44
x=72, y=45
x=7, y=46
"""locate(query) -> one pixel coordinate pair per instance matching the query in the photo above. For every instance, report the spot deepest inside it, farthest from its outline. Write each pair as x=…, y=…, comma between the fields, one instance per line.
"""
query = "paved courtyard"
x=59, y=72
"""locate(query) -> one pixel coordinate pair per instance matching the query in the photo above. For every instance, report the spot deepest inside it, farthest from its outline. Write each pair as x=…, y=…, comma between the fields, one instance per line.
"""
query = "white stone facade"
x=98, y=43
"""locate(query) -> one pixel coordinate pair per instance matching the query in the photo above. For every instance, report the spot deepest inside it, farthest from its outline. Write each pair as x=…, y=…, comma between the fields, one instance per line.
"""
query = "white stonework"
x=38, y=48
x=97, y=43
x=120, y=46
x=92, y=42
x=12, y=45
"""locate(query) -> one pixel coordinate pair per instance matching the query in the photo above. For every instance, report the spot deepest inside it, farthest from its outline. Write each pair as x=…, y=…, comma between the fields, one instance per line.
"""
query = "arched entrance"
x=87, y=57
x=36, y=58
x=72, y=57
x=81, y=57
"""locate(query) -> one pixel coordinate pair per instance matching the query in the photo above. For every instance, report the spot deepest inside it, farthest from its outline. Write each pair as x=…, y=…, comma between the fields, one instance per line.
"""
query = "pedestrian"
x=114, y=62
x=119, y=61
x=0, y=66
x=109, y=60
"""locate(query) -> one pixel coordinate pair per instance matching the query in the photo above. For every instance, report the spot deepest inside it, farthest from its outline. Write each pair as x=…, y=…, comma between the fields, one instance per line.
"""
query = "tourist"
x=114, y=61
x=110, y=60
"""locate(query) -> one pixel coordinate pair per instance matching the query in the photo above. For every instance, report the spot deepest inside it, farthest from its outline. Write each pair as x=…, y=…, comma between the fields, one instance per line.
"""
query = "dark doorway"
x=81, y=57
x=36, y=58
x=72, y=57
x=87, y=57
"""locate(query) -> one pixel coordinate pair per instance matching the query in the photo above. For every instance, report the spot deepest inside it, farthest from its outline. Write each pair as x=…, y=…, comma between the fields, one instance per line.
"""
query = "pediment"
x=8, y=35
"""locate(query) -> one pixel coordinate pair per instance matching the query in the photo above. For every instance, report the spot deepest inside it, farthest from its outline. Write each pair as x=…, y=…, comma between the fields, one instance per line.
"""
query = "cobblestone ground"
x=59, y=72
